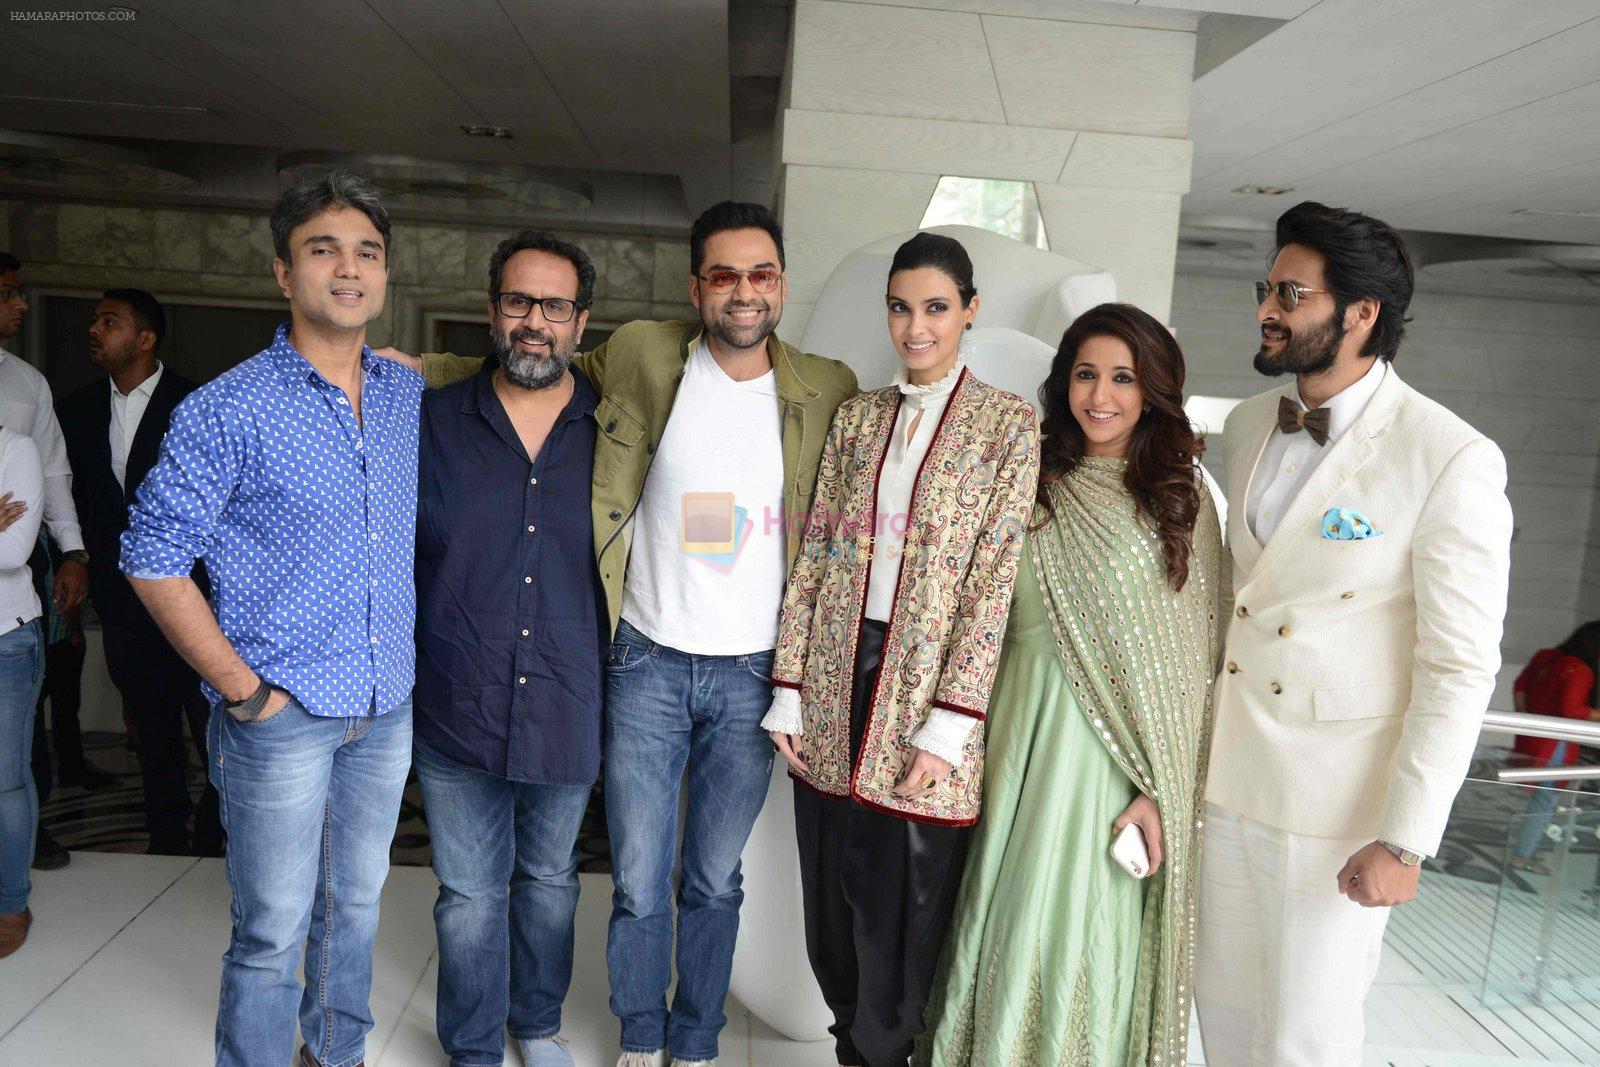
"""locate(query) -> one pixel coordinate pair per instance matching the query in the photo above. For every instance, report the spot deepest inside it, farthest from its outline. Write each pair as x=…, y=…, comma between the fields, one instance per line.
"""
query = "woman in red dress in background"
x=1560, y=682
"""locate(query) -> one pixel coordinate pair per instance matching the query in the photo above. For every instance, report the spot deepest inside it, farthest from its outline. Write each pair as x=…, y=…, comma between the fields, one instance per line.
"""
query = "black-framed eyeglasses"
x=521, y=305
x=1288, y=293
x=726, y=279
x=9, y=293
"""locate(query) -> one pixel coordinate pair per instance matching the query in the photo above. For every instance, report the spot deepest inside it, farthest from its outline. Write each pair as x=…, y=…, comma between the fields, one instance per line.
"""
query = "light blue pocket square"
x=1342, y=524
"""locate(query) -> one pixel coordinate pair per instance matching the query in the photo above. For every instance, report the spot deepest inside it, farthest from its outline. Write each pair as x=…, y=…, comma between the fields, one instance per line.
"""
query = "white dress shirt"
x=26, y=407
x=1289, y=458
x=126, y=413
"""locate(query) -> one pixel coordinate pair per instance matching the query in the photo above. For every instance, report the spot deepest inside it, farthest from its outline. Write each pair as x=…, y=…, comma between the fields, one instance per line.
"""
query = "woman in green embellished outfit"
x=1100, y=716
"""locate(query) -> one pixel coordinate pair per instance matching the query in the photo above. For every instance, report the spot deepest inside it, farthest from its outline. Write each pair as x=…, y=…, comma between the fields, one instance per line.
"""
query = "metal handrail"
x=1515, y=722
x=1547, y=774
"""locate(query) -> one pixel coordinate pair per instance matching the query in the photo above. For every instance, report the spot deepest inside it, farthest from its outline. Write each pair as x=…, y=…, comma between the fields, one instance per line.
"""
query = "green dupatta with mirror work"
x=1141, y=660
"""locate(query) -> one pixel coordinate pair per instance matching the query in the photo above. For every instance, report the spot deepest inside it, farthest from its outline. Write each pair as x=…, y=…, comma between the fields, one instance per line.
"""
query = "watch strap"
x=250, y=706
x=1404, y=855
x=77, y=555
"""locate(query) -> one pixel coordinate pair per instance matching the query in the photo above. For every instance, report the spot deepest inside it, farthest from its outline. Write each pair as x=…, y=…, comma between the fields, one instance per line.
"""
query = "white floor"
x=122, y=965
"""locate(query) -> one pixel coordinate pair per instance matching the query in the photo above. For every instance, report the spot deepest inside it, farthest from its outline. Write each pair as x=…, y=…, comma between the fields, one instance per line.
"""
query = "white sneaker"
x=546, y=1052
x=658, y=1058
x=693, y=1063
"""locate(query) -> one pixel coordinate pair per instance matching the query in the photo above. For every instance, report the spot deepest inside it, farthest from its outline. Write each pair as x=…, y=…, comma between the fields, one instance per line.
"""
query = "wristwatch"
x=77, y=555
x=251, y=706
x=1404, y=855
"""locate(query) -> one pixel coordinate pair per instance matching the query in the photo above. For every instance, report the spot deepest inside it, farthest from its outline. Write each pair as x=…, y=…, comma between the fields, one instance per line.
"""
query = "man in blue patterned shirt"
x=294, y=477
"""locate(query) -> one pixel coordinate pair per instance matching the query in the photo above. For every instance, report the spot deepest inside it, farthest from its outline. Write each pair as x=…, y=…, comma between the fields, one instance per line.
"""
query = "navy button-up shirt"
x=306, y=519
x=511, y=614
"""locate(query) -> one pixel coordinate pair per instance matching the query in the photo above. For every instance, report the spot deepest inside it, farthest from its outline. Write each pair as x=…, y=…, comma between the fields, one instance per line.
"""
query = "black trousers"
x=63, y=687
x=879, y=891
x=161, y=692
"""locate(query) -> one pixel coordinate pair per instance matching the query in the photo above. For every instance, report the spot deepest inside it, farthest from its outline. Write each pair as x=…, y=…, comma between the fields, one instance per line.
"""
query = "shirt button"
x=522, y=681
x=530, y=529
x=1233, y=668
x=528, y=580
x=374, y=638
x=524, y=633
x=360, y=444
x=1275, y=687
x=343, y=401
x=1244, y=612
x=1283, y=631
x=1346, y=596
x=1290, y=468
x=374, y=537
x=533, y=481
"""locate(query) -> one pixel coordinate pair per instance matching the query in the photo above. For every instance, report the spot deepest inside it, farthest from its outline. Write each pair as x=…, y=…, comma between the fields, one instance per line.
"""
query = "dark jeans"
x=161, y=691
x=667, y=710
x=506, y=856
x=879, y=893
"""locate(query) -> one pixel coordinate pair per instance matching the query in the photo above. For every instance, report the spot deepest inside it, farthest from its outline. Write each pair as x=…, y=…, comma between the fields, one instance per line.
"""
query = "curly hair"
x=1164, y=448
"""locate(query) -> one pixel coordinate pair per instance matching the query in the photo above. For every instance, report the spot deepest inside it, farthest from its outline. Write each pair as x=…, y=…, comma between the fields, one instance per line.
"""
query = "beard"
x=112, y=360
x=1311, y=351
x=741, y=335
x=533, y=372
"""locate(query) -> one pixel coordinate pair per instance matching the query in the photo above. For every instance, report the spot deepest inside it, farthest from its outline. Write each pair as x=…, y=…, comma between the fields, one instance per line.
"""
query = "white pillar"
x=1088, y=102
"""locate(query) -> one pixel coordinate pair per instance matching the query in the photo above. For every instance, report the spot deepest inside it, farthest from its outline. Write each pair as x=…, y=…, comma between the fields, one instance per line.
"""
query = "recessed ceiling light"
x=1265, y=190
x=485, y=131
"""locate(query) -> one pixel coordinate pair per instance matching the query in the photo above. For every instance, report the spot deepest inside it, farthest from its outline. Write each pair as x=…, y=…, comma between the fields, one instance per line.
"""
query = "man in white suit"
x=1370, y=537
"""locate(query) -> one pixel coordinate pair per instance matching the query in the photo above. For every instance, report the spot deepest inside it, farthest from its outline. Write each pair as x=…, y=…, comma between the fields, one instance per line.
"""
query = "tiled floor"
x=122, y=968
x=122, y=965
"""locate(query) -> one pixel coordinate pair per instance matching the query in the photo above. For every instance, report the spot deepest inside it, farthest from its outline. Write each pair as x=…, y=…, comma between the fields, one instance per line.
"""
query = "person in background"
x=21, y=675
x=25, y=407
x=113, y=428
x=1559, y=682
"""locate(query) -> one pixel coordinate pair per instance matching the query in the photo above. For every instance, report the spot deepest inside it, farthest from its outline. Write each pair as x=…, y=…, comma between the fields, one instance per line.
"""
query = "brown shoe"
x=14, y=931
x=308, y=1060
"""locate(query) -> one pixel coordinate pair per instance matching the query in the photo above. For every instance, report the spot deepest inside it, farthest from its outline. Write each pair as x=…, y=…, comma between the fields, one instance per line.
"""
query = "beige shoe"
x=658, y=1058
x=694, y=1063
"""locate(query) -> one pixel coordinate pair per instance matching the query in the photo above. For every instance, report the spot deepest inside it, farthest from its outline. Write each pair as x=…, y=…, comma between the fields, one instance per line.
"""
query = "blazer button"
x=1283, y=631
x=1347, y=596
x=1275, y=687
x=1233, y=668
x=610, y=426
x=615, y=515
x=1243, y=612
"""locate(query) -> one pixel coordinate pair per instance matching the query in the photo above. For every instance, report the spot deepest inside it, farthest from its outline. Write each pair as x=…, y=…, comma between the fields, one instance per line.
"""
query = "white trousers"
x=1283, y=960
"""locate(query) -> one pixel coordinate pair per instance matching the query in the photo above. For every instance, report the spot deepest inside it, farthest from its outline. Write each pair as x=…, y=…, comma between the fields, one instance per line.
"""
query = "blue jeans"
x=21, y=674
x=506, y=856
x=1540, y=805
x=666, y=709
x=310, y=806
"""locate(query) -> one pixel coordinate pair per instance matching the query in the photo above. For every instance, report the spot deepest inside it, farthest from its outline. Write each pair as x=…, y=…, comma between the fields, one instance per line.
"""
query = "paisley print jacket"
x=969, y=510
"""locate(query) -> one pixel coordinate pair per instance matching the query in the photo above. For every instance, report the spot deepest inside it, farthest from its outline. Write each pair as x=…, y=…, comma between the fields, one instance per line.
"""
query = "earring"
x=969, y=325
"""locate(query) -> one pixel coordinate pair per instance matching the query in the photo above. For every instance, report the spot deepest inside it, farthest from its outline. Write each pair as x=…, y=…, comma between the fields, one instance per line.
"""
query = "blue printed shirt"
x=305, y=517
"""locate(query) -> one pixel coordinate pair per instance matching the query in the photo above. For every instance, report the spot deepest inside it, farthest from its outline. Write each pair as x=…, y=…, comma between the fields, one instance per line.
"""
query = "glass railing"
x=1498, y=959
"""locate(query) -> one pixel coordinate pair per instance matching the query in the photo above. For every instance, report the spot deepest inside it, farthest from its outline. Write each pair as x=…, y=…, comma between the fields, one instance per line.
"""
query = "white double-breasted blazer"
x=1356, y=672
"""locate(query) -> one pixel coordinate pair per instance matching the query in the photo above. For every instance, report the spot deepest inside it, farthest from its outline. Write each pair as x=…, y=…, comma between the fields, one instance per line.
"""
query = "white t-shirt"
x=21, y=475
x=1289, y=458
x=708, y=564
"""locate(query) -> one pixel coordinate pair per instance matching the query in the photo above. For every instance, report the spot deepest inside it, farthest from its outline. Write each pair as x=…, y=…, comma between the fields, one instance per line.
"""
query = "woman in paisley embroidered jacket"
x=887, y=648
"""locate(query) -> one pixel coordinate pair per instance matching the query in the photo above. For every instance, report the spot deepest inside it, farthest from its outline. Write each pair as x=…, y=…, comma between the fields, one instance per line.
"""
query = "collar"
x=792, y=387
x=144, y=388
x=480, y=396
x=296, y=368
x=922, y=397
x=1345, y=406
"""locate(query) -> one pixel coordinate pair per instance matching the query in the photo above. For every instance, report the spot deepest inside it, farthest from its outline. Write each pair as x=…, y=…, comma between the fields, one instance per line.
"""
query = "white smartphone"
x=1130, y=852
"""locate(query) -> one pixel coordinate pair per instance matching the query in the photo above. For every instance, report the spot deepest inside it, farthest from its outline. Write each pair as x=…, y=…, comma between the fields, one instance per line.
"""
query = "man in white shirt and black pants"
x=1370, y=538
x=113, y=429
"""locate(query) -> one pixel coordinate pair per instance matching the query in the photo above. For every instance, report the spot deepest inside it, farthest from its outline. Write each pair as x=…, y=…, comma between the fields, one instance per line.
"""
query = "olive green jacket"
x=637, y=373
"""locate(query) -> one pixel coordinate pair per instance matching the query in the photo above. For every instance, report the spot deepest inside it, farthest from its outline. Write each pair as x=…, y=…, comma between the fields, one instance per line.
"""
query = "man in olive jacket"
x=711, y=433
